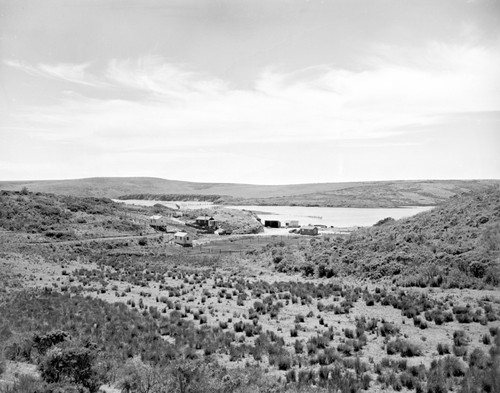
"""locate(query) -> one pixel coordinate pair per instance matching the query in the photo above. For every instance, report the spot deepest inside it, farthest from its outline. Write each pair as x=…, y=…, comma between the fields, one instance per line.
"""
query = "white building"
x=183, y=238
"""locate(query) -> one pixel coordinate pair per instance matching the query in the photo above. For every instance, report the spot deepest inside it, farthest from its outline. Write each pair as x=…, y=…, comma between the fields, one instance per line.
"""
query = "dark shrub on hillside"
x=298, y=346
x=299, y=318
x=436, y=378
x=328, y=356
x=349, y=333
x=478, y=359
x=388, y=329
x=460, y=338
x=42, y=342
x=410, y=382
x=438, y=316
x=239, y=326
x=284, y=362
x=443, y=349
x=453, y=366
x=405, y=348
x=459, y=351
x=70, y=365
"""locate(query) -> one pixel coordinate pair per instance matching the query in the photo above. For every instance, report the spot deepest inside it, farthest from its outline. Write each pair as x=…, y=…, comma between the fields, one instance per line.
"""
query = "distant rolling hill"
x=355, y=194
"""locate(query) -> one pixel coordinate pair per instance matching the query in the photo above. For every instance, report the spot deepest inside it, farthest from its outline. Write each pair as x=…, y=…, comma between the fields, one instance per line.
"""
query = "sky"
x=260, y=91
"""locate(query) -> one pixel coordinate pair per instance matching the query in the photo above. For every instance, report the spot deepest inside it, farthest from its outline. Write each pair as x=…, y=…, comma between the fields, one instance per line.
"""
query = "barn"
x=309, y=230
x=183, y=238
x=272, y=223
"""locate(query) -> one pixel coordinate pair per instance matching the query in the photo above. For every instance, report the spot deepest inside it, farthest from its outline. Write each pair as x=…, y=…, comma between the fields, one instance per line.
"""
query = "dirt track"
x=102, y=239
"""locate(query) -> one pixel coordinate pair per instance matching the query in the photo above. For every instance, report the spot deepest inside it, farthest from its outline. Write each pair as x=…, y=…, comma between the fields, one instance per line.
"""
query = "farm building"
x=272, y=223
x=183, y=238
x=206, y=221
x=309, y=230
x=158, y=222
x=292, y=224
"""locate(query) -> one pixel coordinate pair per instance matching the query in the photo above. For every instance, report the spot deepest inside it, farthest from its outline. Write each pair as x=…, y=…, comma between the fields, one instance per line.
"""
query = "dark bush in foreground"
x=74, y=366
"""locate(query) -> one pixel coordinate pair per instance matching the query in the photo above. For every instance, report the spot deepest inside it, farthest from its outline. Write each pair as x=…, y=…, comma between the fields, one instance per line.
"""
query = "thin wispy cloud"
x=321, y=103
x=74, y=73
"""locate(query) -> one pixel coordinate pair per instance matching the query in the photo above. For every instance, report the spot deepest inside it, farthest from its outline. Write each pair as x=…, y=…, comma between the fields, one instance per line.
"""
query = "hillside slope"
x=455, y=245
x=380, y=194
x=65, y=217
x=358, y=194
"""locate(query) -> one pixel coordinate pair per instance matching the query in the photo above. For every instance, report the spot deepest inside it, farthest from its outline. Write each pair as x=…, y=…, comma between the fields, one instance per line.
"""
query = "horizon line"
x=247, y=184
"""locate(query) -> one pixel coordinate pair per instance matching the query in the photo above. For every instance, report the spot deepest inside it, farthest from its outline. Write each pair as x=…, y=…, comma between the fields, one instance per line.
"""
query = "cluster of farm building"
x=209, y=225
x=310, y=230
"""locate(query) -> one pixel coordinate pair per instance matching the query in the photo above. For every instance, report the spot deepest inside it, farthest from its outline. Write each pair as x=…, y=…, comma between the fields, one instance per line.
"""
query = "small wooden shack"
x=158, y=222
x=292, y=224
x=309, y=230
x=206, y=221
x=183, y=238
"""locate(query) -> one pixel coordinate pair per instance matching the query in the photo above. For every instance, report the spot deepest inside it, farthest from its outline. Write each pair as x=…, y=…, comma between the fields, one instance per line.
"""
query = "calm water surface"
x=329, y=216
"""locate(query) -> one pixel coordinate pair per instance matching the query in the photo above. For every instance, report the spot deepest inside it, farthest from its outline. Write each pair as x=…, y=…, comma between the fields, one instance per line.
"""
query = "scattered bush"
x=405, y=348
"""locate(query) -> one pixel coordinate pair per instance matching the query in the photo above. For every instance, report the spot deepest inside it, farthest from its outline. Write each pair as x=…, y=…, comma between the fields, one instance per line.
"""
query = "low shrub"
x=349, y=333
x=388, y=329
x=299, y=318
x=443, y=349
x=405, y=348
x=460, y=338
x=459, y=351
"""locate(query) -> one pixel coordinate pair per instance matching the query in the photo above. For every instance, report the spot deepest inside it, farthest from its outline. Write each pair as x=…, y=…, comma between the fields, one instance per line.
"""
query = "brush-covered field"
x=411, y=305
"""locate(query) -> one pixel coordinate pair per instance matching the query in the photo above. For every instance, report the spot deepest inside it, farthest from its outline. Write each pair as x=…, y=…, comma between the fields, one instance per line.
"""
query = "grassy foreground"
x=318, y=315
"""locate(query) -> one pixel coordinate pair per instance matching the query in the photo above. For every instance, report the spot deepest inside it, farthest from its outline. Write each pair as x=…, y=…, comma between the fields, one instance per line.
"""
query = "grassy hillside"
x=218, y=199
x=359, y=194
x=454, y=245
x=377, y=194
x=51, y=217
x=65, y=217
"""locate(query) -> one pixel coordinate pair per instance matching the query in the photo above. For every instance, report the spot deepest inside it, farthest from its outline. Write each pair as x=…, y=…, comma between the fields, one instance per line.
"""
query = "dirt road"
x=104, y=239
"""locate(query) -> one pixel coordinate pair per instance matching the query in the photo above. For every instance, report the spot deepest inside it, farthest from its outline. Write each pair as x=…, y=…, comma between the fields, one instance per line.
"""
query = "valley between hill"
x=92, y=297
